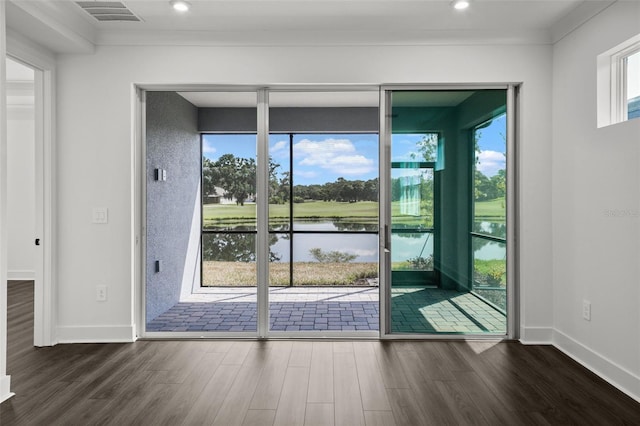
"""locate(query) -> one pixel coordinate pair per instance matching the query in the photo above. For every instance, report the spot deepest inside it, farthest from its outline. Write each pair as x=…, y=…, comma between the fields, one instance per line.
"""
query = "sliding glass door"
x=262, y=210
x=294, y=213
x=447, y=236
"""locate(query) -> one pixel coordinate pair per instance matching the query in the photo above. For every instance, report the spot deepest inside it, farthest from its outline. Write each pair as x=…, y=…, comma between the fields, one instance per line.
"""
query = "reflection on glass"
x=489, y=208
x=412, y=198
x=490, y=270
x=448, y=217
x=334, y=260
x=412, y=251
x=229, y=259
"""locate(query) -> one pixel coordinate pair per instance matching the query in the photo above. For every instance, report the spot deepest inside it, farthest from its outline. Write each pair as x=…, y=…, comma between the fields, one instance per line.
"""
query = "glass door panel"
x=229, y=276
x=201, y=214
x=447, y=215
x=323, y=213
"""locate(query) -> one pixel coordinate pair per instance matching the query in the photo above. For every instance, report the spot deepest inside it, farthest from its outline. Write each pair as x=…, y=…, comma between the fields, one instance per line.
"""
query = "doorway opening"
x=299, y=213
x=321, y=223
x=21, y=198
x=31, y=184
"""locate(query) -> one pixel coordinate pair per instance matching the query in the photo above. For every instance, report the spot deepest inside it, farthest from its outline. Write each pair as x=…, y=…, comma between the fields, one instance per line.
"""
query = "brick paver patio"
x=414, y=310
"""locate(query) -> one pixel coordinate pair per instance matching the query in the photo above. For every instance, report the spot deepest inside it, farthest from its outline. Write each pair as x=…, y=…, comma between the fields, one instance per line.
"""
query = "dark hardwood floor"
x=298, y=382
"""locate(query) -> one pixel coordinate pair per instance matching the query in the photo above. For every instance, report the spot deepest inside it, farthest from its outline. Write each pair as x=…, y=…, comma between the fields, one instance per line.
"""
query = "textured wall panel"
x=173, y=144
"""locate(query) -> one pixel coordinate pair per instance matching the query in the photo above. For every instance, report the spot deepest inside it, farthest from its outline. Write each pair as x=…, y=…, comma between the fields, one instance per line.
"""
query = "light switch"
x=100, y=215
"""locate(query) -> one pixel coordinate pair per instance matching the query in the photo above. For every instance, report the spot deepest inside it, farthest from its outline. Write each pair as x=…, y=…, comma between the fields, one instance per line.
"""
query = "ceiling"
x=63, y=26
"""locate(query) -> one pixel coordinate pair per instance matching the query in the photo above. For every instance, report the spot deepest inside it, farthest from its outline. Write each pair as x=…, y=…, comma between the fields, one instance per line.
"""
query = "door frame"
x=512, y=90
x=45, y=285
x=262, y=91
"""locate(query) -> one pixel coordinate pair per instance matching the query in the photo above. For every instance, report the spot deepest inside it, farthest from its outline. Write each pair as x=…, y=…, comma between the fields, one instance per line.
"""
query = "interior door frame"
x=45, y=285
x=512, y=90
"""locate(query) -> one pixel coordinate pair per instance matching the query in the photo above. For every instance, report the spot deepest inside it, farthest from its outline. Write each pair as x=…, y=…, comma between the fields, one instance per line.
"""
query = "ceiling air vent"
x=108, y=10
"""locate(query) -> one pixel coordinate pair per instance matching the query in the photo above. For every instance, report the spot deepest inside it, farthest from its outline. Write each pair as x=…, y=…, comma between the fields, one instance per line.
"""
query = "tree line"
x=237, y=178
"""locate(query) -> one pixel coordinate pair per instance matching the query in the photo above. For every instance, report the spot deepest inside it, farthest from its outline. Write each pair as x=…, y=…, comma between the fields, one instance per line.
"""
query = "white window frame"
x=612, y=82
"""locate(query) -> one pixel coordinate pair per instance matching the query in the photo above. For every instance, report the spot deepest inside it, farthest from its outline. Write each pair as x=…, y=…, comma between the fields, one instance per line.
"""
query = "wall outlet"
x=100, y=215
x=586, y=310
x=101, y=293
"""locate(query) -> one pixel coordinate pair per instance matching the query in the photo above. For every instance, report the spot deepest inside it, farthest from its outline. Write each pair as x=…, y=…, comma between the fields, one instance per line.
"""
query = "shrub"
x=421, y=263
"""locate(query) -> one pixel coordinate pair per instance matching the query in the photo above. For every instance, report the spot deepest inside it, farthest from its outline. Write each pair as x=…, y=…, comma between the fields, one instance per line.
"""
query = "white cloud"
x=207, y=148
x=336, y=155
x=306, y=174
x=278, y=146
x=489, y=162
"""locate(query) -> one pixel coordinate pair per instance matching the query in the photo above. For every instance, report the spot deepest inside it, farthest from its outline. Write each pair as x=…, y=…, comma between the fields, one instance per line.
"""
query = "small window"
x=619, y=83
x=632, y=85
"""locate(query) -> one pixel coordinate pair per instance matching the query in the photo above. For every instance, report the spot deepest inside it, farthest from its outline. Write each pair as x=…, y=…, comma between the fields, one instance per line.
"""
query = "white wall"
x=596, y=172
x=21, y=192
x=95, y=151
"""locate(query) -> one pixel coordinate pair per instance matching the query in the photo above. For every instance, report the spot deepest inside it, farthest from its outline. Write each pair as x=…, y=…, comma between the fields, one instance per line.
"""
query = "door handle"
x=386, y=238
x=37, y=241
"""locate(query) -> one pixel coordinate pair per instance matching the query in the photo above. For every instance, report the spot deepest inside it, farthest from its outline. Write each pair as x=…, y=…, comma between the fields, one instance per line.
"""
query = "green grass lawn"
x=491, y=209
x=363, y=211
x=360, y=212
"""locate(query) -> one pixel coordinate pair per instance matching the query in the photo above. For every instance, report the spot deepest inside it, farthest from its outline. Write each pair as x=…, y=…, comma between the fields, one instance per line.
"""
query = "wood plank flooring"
x=298, y=382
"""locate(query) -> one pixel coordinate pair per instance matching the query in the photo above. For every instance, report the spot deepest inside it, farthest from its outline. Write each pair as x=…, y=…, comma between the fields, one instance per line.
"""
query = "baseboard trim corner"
x=536, y=335
x=5, y=382
x=618, y=376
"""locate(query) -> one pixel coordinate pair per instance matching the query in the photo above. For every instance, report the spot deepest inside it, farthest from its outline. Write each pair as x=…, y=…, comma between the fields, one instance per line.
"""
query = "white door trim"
x=45, y=301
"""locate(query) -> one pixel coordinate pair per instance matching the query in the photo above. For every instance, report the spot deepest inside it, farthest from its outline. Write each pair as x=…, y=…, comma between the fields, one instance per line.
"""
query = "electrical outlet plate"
x=101, y=293
x=100, y=215
x=586, y=310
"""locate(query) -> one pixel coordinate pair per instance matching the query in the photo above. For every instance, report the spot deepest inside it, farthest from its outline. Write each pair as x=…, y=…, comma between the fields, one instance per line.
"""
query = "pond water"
x=364, y=246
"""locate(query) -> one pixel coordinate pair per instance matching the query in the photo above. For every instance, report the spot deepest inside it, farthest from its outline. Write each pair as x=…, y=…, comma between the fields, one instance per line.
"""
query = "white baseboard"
x=618, y=376
x=536, y=335
x=5, y=393
x=96, y=334
x=21, y=275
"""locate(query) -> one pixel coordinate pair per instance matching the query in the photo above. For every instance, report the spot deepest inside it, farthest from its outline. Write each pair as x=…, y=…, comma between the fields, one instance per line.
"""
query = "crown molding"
x=577, y=17
x=319, y=38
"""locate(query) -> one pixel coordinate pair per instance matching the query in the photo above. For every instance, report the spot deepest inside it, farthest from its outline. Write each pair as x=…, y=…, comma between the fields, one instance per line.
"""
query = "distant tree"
x=427, y=147
x=208, y=178
x=237, y=176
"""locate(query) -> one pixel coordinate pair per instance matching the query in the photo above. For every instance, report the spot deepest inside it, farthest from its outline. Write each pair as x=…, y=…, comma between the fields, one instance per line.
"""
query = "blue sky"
x=316, y=158
x=493, y=147
x=321, y=158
